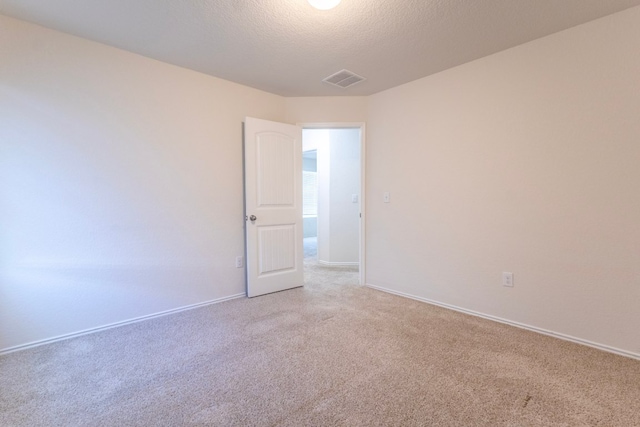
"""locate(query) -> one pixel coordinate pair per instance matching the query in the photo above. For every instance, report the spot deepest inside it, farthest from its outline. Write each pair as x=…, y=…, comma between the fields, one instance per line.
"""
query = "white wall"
x=345, y=181
x=120, y=184
x=338, y=165
x=319, y=140
x=310, y=223
x=525, y=161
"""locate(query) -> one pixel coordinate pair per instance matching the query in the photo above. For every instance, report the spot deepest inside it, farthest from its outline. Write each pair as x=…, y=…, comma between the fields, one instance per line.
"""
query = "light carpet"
x=330, y=354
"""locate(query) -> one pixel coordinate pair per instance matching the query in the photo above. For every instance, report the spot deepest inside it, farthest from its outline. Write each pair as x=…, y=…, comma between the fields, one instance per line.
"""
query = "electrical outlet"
x=507, y=279
x=386, y=197
x=239, y=263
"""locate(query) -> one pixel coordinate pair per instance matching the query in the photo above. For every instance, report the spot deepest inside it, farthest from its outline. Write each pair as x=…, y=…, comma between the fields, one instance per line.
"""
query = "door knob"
x=252, y=218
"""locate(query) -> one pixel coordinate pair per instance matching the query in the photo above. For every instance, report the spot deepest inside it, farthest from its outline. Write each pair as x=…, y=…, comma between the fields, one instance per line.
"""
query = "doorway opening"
x=332, y=176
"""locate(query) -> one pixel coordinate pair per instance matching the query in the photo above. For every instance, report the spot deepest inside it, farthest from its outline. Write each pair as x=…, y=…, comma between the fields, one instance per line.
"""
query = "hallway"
x=318, y=274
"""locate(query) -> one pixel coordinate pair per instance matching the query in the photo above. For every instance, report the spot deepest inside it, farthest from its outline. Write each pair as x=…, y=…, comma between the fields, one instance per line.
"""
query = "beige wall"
x=326, y=109
x=525, y=161
x=121, y=184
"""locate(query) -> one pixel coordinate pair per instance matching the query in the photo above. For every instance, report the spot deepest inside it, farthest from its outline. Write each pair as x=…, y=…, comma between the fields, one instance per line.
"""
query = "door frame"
x=363, y=205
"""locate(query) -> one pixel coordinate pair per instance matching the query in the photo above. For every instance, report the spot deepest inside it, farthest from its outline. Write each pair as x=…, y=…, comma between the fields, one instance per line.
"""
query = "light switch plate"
x=507, y=279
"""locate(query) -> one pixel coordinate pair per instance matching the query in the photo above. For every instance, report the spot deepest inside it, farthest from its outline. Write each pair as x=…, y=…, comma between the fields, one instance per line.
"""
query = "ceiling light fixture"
x=324, y=4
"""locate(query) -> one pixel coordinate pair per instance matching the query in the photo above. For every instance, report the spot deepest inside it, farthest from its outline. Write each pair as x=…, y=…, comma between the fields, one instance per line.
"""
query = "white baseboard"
x=116, y=324
x=559, y=335
x=337, y=264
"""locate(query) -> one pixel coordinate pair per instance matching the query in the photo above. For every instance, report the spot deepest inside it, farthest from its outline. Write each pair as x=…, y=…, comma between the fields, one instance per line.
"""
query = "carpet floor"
x=333, y=353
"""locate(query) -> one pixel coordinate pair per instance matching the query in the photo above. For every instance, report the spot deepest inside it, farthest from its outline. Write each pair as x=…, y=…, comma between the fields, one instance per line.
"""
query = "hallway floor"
x=316, y=273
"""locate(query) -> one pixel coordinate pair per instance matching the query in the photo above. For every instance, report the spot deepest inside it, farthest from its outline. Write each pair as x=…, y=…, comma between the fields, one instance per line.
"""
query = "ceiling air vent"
x=344, y=79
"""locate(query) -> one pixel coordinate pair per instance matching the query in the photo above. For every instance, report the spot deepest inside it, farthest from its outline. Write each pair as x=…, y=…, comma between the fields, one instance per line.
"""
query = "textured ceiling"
x=287, y=47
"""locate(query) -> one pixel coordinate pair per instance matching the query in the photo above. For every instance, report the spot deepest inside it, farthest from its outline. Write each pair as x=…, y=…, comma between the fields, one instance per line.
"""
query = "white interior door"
x=273, y=203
